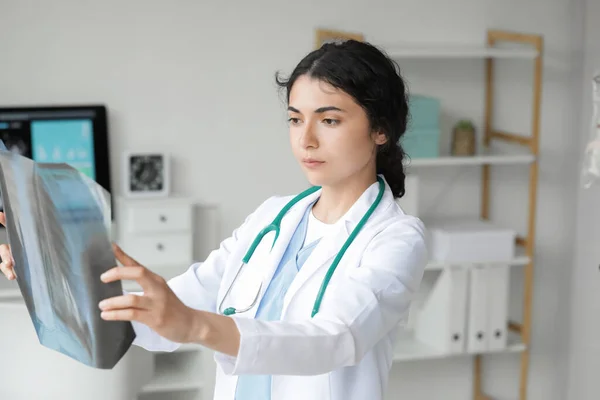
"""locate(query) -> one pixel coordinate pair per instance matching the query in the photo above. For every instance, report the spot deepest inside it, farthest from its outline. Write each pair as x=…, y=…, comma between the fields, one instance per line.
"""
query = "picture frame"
x=146, y=174
x=323, y=36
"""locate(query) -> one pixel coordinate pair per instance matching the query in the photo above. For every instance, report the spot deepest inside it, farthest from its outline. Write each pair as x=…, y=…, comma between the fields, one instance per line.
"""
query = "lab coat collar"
x=361, y=206
x=332, y=243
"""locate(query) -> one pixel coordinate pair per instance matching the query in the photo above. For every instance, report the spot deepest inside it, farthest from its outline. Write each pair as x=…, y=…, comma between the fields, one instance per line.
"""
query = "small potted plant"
x=463, y=138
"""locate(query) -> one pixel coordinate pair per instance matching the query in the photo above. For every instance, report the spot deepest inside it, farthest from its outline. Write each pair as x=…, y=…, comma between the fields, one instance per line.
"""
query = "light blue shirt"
x=258, y=387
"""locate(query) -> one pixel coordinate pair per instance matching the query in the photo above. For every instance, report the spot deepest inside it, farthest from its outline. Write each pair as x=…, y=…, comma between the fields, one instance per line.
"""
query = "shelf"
x=495, y=155
x=176, y=372
x=458, y=52
x=520, y=259
x=410, y=349
x=10, y=295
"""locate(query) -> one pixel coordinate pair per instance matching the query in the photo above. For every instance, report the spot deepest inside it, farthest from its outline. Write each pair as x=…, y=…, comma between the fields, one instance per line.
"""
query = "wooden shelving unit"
x=531, y=143
x=498, y=149
x=438, y=51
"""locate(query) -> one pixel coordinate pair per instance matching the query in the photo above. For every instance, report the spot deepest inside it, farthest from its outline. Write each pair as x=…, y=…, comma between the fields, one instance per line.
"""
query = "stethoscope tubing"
x=275, y=226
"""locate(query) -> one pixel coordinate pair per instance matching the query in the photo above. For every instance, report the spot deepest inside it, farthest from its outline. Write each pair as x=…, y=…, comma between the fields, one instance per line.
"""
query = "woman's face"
x=330, y=134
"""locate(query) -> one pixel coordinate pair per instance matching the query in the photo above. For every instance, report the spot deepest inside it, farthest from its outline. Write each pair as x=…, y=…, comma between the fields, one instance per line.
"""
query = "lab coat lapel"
x=268, y=259
x=330, y=245
x=322, y=255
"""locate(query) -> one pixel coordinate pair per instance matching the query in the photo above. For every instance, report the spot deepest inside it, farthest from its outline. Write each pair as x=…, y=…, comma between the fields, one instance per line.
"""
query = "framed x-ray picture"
x=323, y=36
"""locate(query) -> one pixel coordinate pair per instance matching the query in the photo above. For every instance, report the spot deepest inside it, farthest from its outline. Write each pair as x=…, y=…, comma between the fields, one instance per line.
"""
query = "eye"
x=331, y=121
x=293, y=120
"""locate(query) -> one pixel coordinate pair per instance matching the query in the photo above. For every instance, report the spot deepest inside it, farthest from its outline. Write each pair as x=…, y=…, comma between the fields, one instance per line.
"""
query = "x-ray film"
x=58, y=226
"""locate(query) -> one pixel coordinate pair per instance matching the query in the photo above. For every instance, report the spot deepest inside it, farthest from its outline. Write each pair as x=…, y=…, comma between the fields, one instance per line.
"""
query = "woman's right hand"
x=7, y=260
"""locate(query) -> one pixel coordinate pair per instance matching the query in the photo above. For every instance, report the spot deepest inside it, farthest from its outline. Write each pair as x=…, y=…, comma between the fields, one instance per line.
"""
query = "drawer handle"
x=160, y=247
x=163, y=218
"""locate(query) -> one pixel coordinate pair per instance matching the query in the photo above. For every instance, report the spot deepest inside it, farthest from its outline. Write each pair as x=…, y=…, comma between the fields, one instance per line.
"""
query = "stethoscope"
x=275, y=226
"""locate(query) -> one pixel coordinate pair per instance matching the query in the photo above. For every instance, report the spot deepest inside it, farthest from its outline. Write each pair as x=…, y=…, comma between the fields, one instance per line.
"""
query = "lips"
x=311, y=162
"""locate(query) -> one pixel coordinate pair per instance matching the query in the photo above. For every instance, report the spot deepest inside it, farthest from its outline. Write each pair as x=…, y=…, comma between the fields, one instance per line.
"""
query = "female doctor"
x=308, y=310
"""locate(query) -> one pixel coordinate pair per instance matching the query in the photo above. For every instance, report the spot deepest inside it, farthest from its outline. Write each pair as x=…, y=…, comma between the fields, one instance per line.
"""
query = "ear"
x=379, y=138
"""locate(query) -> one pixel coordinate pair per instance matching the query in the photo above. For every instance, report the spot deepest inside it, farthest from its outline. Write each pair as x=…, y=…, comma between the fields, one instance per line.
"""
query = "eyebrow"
x=318, y=110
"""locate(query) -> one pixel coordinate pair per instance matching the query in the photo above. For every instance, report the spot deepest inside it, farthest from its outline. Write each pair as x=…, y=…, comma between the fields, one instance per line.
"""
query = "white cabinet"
x=157, y=233
x=186, y=374
x=161, y=235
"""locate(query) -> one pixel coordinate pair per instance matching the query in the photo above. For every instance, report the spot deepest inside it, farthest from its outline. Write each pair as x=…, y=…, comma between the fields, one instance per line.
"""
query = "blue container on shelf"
x=422, y=137
x=424, y=111
x=421, y=143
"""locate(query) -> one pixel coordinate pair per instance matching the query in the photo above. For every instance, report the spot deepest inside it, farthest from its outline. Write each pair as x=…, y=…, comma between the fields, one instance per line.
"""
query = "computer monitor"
x=75, y=135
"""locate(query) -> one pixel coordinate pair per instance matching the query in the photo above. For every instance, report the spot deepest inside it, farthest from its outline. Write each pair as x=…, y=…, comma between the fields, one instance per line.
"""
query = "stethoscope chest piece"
x=244, y=295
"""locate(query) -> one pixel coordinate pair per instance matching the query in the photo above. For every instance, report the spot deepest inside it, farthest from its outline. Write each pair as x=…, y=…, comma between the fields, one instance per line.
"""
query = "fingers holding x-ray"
x=7, y=265
x=124, y=258
x=132, y=301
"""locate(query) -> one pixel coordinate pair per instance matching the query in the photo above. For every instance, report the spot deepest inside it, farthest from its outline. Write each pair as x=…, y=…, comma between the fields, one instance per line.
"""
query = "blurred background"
x=189, y=95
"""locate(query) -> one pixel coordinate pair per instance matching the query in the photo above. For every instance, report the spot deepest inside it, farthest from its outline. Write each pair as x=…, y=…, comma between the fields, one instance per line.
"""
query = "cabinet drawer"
x=160, y=250
x=158, y=218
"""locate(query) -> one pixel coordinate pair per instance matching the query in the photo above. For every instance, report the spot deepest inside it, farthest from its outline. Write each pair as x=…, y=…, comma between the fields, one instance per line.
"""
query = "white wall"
x=584, y=323
x=196, y=79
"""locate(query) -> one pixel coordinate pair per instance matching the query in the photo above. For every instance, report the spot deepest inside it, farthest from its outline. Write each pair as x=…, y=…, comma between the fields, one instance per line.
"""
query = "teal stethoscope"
x=275, y=225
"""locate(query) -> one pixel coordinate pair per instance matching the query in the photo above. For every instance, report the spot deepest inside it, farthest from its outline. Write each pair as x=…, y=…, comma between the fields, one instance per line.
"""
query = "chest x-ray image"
x=58, y=227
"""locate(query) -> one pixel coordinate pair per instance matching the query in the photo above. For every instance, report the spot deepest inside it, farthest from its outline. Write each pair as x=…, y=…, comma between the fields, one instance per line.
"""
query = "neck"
x=336, y=200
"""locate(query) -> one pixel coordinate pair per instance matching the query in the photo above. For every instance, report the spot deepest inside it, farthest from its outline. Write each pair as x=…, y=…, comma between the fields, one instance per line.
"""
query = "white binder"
x=498, y=277
x=477, y=334
x=441, y=321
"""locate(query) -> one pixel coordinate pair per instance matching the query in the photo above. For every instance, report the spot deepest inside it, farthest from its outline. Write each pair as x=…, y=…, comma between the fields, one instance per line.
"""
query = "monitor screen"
x=76, y=135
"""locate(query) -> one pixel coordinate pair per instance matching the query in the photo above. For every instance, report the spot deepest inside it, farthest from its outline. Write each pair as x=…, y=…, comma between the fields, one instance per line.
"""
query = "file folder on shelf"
x=478, y=311
x=498, y=277
x=441, y=321
x=488, y=308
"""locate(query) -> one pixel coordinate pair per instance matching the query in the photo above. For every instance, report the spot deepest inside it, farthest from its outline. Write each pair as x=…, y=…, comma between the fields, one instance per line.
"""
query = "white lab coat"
x=345, y=352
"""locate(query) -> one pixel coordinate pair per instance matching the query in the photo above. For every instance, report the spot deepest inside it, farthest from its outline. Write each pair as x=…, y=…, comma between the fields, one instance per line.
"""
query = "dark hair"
x=374, y=81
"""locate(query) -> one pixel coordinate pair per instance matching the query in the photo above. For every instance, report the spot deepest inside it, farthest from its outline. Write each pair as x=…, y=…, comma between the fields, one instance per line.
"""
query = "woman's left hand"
x=158, y=307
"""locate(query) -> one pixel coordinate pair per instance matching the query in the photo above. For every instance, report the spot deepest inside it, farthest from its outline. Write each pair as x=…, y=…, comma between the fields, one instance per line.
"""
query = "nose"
x=308, y=138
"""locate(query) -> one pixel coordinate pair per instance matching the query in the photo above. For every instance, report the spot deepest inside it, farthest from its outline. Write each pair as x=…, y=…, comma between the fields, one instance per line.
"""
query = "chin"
x=318, y=179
